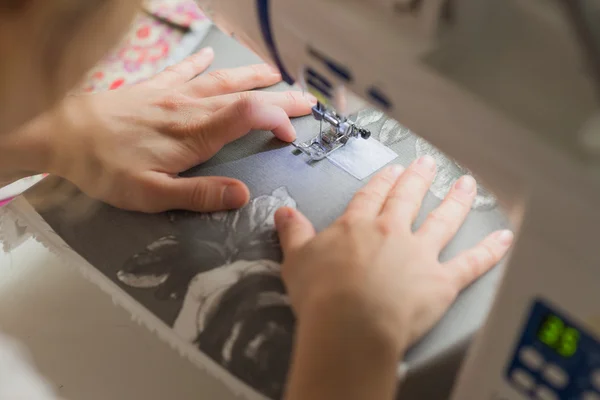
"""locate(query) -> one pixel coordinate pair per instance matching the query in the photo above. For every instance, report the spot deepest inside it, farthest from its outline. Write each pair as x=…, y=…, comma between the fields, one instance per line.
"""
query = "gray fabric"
x=155, y=257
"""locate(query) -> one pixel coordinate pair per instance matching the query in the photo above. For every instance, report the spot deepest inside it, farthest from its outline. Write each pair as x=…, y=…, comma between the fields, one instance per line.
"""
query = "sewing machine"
x=510, y=89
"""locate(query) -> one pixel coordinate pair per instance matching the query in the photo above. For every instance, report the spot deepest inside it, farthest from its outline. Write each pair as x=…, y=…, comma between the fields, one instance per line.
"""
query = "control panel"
x=555, y=358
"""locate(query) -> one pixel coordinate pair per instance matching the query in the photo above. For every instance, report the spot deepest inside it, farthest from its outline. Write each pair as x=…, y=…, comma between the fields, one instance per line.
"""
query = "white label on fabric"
x=360, y=158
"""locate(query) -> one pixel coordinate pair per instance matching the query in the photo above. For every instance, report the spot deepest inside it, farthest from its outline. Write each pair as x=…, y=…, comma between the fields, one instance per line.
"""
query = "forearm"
x=331, y=362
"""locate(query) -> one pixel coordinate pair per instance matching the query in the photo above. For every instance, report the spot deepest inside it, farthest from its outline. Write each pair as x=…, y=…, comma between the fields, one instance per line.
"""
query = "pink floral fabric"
x=184, y=13
x=147, y=46
x=140, y=55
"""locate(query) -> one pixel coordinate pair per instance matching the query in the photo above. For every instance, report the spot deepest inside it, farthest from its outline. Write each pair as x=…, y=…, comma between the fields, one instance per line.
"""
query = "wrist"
x=357, y=323
x=28, y=150
x=340, y=357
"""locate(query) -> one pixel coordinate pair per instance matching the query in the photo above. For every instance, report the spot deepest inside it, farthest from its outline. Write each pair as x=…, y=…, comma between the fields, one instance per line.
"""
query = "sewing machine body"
x=504, y=87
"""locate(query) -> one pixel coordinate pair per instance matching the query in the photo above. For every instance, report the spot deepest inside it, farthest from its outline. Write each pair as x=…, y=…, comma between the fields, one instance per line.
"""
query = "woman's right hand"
x=370, y=273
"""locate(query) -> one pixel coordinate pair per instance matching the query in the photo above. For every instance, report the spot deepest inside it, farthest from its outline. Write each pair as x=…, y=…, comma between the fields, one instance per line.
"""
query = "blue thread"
x=265, y=25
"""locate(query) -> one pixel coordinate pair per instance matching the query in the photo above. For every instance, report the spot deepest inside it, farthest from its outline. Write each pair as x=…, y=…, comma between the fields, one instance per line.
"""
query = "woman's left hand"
x=127, y=147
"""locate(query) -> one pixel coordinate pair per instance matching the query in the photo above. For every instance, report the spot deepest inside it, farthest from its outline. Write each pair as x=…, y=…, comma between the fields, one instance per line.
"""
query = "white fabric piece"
x=22, y=213
x=361, y=158
x=19, y=380
x=18, y=187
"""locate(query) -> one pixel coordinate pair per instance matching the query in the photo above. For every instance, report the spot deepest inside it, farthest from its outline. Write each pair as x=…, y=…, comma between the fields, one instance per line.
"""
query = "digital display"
x=557, y=335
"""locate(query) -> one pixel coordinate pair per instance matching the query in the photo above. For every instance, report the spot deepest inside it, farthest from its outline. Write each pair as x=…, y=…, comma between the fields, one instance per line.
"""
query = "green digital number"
x=551, y=331
x=569, y=340
x=563, y=339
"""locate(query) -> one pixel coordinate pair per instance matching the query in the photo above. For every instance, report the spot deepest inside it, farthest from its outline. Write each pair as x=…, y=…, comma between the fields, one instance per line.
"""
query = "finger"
x=233, y=80
x=294, y=103
x=473, y=263
x=201, y=194
x=442, y=223
x=237, y=119
x=187, y=69
x=369, y=200
x=294, y=229
x=405, y=198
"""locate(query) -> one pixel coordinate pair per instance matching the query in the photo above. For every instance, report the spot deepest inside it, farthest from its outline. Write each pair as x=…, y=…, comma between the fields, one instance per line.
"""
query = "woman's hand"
x=370, y=273
x=127, y=147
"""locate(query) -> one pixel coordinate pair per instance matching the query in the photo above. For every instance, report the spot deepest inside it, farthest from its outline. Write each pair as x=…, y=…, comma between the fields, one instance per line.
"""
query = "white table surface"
x=86, y=346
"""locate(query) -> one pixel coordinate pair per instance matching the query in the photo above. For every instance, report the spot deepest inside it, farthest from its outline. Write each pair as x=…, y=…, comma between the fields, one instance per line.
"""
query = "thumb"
x=202, y=194
x=294, y=229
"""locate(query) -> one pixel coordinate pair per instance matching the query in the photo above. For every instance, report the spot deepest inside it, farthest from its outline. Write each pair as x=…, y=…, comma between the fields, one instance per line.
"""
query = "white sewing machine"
x=510, y=89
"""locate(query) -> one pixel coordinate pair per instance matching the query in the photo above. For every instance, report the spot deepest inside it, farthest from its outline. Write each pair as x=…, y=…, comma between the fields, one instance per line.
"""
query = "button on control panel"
x=590, y=396
x=555, y=376
x=523, y=379
x=545, y=393
x=555, y=357
x=596, y=379
x=531, y=358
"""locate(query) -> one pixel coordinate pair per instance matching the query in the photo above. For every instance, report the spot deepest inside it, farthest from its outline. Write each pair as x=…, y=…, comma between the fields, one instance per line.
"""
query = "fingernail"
x=273, y=70
x=428, y=162
x=234, y=196
x=505, y=237
x=396, y=170
x=285, y=213
x=282, y=217
x=466, y=184
x=206, y=51
x=312, y=99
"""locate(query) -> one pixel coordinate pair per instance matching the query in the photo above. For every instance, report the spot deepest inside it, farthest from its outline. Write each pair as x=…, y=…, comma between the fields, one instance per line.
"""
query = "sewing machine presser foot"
x=340, y=131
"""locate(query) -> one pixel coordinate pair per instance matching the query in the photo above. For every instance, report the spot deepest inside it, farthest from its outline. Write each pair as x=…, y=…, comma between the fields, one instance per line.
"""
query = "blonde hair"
x=67, y=38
